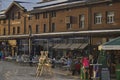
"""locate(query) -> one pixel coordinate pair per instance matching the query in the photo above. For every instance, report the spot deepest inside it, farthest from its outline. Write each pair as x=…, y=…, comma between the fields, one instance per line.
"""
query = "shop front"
x=70, y=46
x=112, y=49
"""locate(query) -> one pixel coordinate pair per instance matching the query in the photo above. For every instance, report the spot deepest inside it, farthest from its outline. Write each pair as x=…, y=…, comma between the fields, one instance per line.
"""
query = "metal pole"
x=29, y=45
x=47, y=45
x=30, y=41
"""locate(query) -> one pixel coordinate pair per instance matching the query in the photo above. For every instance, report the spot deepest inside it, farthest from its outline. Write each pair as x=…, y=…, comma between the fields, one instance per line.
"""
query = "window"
x=4, y=21
x=98, y=18
x=45, y=15
x=30, y=17
x=53, y=14
x=13, y=30
x=30, y=29
x=13, y=16
x=68, y=19
x=37, y=16
x=44, y=28
x=53, y=27
x=110, y=17
x=19, y=15
x=69, y=26
x=4, y=31
x=37, y=28
x=81, y=21
x=18, y=30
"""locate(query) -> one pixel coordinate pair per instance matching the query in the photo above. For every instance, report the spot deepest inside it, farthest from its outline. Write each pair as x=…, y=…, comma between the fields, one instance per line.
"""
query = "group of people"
x=81, y=65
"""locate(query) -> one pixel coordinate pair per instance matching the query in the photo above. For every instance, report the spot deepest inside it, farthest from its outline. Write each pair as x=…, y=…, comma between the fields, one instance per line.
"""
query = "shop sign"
x=12, y=42
x=17, y=22
x=111, y=47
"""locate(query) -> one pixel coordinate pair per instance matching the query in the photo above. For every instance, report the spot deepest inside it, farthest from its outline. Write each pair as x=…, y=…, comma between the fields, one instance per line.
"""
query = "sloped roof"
x=55, y=2
x=13, y=3
x=113, y=44
x=27, y=5
x=115, y=41
x=43, y=4
x=56, y=6
x=6, y=3
x=62, y=4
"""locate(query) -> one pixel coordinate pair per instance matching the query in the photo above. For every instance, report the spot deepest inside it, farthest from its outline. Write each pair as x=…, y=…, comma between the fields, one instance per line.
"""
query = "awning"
x=66, y=46
x=83, y=45
x=61, y=46
x=75, y=46
x=56, y=46
x=112, y=44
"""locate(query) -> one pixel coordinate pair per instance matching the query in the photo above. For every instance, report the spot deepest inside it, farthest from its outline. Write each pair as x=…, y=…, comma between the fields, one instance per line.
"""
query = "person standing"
x=85, y=68
x=30, y=58
x=0, y=55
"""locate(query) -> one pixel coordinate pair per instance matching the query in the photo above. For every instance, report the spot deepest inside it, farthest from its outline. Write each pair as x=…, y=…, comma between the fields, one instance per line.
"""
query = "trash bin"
x=118, y=72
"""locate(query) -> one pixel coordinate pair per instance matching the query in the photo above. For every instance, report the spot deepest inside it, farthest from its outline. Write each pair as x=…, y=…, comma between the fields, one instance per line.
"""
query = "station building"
x=63, y=27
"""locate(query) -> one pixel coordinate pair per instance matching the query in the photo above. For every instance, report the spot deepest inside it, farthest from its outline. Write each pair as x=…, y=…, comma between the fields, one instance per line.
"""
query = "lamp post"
x=30, y=35
x=47, y=45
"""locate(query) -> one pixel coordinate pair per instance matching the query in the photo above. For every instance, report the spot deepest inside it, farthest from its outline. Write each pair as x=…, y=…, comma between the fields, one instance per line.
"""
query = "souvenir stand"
x=103, y=72
x=114, y=45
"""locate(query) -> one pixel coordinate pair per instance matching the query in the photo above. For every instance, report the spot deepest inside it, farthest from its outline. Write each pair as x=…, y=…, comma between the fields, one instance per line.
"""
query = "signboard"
x=16, y=22
x=105, y=74
x=12, y=42
x=111, y=47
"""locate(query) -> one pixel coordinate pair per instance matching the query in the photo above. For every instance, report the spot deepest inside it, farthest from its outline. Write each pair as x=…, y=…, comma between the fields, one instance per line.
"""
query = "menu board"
x=105, y=74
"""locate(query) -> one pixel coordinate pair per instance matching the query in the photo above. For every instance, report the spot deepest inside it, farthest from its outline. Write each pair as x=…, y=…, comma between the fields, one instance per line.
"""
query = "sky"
x=5, y=3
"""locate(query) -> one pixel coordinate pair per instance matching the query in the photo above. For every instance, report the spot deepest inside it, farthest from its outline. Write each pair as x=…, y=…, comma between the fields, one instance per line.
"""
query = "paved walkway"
x=13, y=71
x=66, y=73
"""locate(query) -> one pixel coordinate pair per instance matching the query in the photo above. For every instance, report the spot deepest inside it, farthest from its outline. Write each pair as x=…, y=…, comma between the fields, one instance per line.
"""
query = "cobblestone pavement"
x=13, y=71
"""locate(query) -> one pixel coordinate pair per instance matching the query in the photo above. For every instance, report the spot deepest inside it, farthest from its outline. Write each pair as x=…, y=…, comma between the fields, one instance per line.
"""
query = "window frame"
x=19, y=15
x=110, y=17
x=18, y=30
x=53, y=27
x=14, y=30
x=37, y=28
x=37, y=16
x=68, y=26
x=82, y=21
x=44, y=28
x=97, y=18
x=45, y=15
x=53, y=14
x=4, y=31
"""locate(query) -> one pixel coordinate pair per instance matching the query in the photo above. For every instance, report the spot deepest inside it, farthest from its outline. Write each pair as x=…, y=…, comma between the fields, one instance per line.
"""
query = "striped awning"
x=75, y=46
x=65, y=46
x=113, y=44
x=83, y=45
x=56, y=46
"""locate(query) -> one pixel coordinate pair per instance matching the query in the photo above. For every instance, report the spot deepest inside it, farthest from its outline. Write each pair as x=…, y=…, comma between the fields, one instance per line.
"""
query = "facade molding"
x=61, y=33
